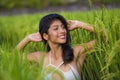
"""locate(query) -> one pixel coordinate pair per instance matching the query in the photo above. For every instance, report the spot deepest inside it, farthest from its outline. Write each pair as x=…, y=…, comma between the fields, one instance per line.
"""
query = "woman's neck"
x=56, y=51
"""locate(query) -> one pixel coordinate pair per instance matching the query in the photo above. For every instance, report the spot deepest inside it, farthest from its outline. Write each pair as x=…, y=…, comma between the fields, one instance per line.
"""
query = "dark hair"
x=45, y=22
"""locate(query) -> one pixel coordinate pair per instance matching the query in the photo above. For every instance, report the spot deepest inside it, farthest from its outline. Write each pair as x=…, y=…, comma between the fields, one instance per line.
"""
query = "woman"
x=54, y=32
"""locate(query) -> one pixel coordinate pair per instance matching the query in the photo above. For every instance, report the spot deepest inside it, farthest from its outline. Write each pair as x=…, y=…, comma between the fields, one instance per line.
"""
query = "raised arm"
x=35, y=37
x=73, y=24
x=82, y=48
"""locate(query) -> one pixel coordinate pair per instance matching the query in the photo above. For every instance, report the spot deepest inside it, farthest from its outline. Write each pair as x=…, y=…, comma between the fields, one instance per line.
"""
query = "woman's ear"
x=45, y=36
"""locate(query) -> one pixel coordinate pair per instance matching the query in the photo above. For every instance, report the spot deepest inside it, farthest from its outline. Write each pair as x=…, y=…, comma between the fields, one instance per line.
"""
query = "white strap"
x=50, y=58
x=50, y=62
x=59, y=65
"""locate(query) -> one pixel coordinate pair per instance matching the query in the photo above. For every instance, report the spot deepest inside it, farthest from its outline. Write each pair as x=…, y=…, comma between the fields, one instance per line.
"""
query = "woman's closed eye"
x=55, y=28
x=58, y=26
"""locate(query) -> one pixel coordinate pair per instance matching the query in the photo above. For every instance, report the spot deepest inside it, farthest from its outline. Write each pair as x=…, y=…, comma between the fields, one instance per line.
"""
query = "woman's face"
x=57, y=32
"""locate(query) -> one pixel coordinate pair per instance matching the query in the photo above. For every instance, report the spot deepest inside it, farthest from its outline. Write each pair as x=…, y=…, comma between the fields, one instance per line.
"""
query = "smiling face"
x=53, y=29
x=57, y=32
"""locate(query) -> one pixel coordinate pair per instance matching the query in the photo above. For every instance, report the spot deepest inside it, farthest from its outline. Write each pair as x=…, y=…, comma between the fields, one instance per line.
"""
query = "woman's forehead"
x=56, y=22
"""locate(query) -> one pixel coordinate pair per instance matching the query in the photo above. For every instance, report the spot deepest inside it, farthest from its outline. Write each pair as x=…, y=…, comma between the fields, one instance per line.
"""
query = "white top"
x=72, y=74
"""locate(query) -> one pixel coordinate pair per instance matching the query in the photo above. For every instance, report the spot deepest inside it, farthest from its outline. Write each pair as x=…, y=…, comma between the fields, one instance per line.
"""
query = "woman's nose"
x=62, y=29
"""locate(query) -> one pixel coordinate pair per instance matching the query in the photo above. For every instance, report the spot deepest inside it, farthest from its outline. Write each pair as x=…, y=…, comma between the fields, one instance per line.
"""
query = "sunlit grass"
x=101, y=64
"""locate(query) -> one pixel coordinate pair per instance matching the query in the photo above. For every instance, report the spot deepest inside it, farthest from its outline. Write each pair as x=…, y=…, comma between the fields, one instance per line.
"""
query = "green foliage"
x=105, y=1
x=110, y=1
x=37, y=4
x=103, y=63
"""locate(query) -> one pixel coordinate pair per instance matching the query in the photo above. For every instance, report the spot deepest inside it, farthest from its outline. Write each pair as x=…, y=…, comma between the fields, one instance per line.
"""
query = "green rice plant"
x=111, y=59
x=103, y=63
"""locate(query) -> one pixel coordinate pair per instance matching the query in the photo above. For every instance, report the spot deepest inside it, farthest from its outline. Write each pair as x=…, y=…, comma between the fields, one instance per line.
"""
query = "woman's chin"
x=62, y=42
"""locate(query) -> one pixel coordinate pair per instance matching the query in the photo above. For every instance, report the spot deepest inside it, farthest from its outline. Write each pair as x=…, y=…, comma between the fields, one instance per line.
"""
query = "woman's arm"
x=73, y=24
x=82, y=48
x=35, y=37
x=34, y=57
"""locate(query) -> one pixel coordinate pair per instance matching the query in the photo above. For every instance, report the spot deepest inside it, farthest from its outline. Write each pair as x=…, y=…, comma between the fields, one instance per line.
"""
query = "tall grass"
x=103, y=63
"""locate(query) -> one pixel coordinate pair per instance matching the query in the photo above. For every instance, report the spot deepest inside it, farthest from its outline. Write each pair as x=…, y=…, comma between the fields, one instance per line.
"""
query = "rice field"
x=103, y=63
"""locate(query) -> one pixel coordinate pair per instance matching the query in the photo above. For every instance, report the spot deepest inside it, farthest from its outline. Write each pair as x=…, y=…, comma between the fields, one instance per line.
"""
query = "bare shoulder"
x=35, y=56
x=84, y=47
x=78, y=49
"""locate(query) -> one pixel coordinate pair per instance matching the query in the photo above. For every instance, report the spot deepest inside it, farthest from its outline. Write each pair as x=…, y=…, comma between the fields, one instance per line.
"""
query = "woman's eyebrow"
x=55, y=25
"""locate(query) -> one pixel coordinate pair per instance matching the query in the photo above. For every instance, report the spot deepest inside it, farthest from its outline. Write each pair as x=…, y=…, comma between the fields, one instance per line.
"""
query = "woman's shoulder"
x=38, y=53
x=35, y=56
x=78, y=49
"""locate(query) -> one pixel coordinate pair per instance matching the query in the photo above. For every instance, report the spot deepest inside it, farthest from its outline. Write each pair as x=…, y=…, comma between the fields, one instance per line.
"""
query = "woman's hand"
x=73, y=24
x=35, y=37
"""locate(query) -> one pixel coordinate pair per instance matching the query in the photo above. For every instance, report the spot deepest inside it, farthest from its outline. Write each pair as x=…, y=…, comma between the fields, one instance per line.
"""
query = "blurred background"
x=8, y=7
x=17, y=21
